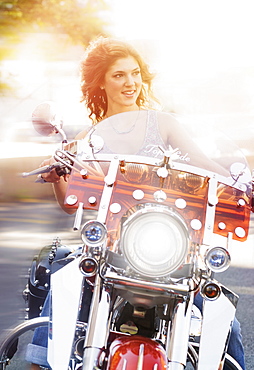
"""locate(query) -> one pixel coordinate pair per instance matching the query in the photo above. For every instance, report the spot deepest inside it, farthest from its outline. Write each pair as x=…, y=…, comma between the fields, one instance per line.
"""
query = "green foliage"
x=80, y=20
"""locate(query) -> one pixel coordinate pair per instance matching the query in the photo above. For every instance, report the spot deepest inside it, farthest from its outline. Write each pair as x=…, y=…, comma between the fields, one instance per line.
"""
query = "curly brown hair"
x=101, y=54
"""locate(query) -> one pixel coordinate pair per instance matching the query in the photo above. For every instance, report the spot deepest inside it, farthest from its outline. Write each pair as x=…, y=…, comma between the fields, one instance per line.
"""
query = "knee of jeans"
x=40, y=337
x=236, y=328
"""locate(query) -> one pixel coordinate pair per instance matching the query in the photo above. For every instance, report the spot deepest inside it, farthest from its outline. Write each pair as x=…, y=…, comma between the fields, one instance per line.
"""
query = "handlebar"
x=59, y=167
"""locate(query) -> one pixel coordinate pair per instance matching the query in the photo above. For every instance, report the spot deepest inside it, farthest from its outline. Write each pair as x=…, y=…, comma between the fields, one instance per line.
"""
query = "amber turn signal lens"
x=88, y=266
x=211, y=291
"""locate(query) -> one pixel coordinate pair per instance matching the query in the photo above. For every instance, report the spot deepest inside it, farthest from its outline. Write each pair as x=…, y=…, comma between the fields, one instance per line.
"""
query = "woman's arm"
x=175, y=135
x=59, y=184
x=59, y=189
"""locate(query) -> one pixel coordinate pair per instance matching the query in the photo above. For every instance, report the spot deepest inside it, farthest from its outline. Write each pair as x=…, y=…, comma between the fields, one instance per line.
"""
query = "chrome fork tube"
x=98, y=326
x=178, y=335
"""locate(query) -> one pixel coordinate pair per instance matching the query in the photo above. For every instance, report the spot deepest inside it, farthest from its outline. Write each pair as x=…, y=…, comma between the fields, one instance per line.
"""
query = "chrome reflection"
x=135, y=172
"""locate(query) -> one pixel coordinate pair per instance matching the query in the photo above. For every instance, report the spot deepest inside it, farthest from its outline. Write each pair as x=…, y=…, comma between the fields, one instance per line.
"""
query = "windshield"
x=188, y=143
x=214, y=143
x=202, y=177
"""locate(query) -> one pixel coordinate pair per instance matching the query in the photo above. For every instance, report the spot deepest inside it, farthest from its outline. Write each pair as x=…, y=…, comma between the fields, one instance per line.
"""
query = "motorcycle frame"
x=218, y=314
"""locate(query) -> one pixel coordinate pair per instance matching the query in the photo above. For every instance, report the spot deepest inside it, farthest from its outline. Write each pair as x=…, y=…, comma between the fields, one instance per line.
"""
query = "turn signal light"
x=88, y=266
x=211, y=291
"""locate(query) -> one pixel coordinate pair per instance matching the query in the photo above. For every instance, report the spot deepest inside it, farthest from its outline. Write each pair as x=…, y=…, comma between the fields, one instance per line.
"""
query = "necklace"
x=127, y=131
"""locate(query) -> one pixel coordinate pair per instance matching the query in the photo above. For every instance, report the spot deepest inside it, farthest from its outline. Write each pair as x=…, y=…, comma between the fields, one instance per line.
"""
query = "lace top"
x=151, y=141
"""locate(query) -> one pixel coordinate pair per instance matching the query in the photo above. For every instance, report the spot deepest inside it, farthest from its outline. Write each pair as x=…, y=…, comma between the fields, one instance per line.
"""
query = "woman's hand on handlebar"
x=51, y=176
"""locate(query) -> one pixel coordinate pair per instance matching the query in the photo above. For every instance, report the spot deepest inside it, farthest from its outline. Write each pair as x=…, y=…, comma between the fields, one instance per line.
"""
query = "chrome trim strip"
x=210, y=211
x=127, y=281
x=97, y=329
x=107, y=191
x=178, y=334
x=141, y=357
x=174, y=165
x=78, y=217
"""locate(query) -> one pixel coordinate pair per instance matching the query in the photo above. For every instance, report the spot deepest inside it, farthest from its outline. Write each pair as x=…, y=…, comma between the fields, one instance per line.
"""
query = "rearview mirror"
x=47, y=119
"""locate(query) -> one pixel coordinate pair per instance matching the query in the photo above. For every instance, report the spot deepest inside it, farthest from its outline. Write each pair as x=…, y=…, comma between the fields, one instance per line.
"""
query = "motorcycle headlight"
x=154, y=241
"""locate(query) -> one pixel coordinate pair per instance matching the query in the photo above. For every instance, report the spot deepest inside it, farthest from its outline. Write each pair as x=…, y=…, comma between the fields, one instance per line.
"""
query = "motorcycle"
x=163, y=226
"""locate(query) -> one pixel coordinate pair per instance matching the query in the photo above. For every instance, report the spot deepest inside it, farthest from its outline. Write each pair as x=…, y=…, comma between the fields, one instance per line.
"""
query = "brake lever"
x=44, y=169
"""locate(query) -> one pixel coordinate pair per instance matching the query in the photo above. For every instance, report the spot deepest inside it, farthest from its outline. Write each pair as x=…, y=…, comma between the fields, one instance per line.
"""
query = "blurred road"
x=27, y=226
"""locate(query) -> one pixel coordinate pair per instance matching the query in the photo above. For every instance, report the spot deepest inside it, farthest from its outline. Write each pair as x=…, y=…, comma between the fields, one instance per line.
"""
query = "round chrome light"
x=93, y=233
x=154, y=241
x=88, y=266
x=210, y=291
x=217, y=259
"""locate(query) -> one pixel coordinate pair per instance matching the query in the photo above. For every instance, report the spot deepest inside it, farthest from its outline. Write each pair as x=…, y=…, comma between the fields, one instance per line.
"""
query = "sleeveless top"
x=151, y=141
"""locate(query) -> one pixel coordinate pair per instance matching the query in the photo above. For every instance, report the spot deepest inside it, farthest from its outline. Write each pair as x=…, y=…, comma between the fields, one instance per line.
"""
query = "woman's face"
x=122, y=85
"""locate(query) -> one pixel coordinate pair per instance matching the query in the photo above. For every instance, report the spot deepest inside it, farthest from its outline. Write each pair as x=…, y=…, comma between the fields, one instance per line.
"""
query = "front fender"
x=218, y=317
x=136, y=353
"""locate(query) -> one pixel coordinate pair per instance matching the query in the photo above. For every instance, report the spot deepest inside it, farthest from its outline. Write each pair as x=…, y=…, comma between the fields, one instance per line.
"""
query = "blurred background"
x=202, y=55
x=200, y=51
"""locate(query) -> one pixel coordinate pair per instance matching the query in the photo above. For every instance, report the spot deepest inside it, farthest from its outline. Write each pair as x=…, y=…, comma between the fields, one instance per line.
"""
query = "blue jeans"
x=37, y=350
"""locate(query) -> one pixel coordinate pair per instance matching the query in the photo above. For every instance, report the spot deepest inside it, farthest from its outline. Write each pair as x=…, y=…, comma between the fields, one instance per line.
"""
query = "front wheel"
x=229, y=364
x=13, y=348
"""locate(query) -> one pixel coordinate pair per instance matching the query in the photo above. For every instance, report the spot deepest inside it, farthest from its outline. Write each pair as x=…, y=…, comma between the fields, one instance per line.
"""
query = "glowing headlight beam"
x=154, y=241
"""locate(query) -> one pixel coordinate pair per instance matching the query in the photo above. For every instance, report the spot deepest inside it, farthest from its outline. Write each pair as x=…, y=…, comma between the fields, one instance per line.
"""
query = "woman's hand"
x=51, y=176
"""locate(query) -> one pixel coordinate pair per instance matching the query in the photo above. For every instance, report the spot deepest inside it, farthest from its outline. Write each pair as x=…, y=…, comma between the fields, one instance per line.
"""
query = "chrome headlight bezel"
x=93, y=233
x=217, y=259
x=166, y=233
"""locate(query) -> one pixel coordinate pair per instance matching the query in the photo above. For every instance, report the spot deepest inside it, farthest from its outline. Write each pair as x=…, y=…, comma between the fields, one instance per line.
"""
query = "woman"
x=115, y=80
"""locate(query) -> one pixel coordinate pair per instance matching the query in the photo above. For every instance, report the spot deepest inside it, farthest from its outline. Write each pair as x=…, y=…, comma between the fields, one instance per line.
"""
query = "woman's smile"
x=122, y=85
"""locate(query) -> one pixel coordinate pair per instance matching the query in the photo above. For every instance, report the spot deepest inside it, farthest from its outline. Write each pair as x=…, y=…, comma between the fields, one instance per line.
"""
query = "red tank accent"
x=132, y=351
